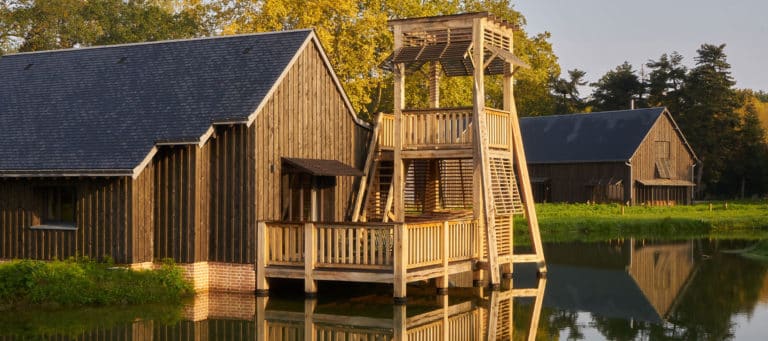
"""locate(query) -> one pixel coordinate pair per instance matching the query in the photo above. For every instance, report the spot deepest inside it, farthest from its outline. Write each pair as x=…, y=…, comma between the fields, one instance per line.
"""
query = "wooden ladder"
x=376, y=174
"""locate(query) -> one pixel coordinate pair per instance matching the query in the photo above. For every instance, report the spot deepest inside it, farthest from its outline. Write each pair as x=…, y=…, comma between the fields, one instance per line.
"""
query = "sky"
x=597, y=35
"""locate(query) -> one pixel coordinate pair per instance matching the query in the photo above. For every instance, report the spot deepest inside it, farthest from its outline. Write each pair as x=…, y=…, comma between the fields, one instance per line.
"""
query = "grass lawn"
x=569, y=222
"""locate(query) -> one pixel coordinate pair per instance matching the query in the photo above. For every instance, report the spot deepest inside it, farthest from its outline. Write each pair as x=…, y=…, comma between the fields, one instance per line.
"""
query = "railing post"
x=401, y=262
x=442, y=282
x=310, y=259
x=262, y=254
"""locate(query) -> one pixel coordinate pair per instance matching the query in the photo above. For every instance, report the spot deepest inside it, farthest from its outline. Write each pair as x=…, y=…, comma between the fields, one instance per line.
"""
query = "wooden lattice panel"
x=503, y=226
x=506, y=195
x=456, y=183
x=415, y=185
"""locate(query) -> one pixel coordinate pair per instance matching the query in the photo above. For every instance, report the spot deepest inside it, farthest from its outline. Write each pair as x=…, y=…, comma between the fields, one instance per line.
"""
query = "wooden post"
x=401, y=262
x=442, y=281
x=262, y=253
x=434, y=85
x=398, y=183
x=310, y=259
x=508, y=102
x=481, y=143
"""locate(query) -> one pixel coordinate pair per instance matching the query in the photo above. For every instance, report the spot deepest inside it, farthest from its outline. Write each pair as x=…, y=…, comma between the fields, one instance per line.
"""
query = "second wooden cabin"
x=629, y=156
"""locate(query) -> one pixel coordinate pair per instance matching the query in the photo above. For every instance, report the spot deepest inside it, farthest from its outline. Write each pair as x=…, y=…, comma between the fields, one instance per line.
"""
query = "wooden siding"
x=306, y=118
x=569, y=181
x=142, y=216
x=103, y=221
x=232, y=194
x=644, y=166
x=180, y=230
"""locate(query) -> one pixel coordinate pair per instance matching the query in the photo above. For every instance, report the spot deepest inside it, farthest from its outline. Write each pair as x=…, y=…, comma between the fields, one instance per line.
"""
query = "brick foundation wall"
x=231, y=277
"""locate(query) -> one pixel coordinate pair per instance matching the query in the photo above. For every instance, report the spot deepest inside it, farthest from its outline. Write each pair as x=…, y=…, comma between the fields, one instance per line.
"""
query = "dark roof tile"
x=104, y=108
x=594, y=137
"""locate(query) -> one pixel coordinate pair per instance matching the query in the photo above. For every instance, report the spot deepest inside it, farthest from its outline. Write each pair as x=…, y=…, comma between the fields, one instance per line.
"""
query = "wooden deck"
x=394, y=253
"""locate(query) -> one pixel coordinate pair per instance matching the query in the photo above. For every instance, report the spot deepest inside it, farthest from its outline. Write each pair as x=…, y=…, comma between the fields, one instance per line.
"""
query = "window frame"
x=52, y=202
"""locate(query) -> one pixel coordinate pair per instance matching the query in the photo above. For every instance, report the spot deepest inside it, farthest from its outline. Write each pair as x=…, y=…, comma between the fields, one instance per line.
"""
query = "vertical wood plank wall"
x=569, y=180
x=195, y=203
x=179, y=231
x=305, y=118
x=102, y=220
x=232, y=194
x=644, y=161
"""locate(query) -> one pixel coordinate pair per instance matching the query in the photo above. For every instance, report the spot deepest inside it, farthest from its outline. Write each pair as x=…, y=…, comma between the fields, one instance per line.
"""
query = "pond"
x=619, y=290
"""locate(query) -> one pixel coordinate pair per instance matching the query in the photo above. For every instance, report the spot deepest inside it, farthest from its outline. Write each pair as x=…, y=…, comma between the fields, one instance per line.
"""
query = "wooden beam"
x=401, y=261
x=262, y=254
x=310, y=259
x=481, y=141
x=398, y=176
x=367, y=169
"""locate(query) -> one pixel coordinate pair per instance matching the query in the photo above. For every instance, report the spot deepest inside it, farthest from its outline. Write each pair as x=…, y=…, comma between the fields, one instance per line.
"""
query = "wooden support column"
x=442, y=281
x=262, y=254
x=398, y=176
x=481, y=145
x=521, y=165
x=432, y=187
x=401, y=262
x=310, y=259
x=508, y=103
x=434, y=85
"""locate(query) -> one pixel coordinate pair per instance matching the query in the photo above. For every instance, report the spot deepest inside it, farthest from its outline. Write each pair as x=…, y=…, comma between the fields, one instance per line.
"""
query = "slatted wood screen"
x=456, y=183
x=505, y=191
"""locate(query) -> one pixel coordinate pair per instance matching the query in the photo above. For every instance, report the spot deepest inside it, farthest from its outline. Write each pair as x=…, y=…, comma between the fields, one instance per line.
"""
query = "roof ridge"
x=169, y=41
x=587, y=114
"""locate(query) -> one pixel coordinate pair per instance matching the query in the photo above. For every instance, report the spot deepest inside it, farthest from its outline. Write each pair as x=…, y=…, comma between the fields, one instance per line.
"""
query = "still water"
x=618, y=290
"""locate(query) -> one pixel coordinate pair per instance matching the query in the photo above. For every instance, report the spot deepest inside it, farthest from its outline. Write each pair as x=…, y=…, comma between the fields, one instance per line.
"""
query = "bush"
x=83, y=281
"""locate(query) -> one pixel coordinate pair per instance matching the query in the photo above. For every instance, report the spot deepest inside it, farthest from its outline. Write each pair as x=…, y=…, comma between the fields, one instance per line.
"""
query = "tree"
x=357, y=40
x=666, y=81
x=566, y=92
x=617, y=89
x=709, y=117
x=33, y=25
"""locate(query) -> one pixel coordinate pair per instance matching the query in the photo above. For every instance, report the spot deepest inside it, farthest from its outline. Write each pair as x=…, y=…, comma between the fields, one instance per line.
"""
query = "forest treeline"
x=722, y=123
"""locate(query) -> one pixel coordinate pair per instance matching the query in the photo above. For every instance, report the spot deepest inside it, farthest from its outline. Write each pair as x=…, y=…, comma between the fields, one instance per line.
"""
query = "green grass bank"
x=85, y=282
x=594, y=222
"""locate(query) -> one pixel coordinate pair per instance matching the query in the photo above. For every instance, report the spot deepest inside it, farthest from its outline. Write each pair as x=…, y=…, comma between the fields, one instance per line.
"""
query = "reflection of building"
x=234, y=316
x=630, y=279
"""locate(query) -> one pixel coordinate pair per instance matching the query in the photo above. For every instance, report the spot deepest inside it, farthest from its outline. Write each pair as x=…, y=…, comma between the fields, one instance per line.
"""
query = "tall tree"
x=617, y=89
x=709, y=118
x=357, y=39
x=33, y=25
x=566, y=92
x=665, y=82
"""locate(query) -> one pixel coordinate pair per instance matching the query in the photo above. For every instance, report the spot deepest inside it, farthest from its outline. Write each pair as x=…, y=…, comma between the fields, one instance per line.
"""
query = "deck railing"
x=368, y=246
x=440, y=128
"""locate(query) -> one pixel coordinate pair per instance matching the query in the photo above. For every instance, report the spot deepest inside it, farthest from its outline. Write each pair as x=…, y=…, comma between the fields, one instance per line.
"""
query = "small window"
x=57, y=206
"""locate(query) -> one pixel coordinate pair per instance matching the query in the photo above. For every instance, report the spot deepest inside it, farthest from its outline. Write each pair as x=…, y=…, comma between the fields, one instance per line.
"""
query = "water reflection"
x=619, y=290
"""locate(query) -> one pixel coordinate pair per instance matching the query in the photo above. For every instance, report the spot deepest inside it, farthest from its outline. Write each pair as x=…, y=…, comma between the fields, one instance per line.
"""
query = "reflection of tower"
x=459, y=318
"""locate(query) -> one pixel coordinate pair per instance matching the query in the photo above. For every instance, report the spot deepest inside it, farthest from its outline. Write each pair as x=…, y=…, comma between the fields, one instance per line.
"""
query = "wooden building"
x=630, y=156
x=172, y=149
x=241, y=158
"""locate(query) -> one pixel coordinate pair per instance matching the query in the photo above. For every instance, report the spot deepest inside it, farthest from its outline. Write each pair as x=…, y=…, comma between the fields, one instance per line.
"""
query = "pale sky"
x=598, y=35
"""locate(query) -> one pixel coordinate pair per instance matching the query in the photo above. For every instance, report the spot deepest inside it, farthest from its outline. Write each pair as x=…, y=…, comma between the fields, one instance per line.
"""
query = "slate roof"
x=104, y=108
x=594, y=137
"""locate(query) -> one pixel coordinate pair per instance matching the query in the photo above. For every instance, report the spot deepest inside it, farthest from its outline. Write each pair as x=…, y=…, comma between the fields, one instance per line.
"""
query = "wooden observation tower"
x=437, y=162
